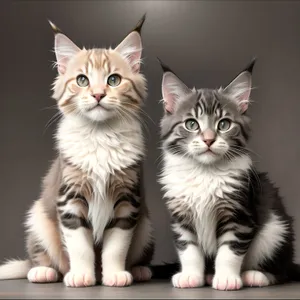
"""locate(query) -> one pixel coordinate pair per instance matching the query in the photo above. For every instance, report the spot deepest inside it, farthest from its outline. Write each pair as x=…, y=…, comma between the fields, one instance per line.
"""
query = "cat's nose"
x=209, y=142
x=98, y=97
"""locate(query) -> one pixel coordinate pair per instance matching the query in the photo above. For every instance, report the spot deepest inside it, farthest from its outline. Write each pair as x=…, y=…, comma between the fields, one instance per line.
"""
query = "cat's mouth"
x=98, y=106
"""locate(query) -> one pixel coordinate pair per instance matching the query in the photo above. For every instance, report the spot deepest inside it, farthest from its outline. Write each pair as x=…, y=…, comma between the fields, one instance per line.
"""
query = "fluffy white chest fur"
x=198, y=189
x=99, y=151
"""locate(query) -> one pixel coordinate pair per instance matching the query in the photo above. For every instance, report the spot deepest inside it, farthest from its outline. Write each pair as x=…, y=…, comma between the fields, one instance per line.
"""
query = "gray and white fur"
x=229, y=223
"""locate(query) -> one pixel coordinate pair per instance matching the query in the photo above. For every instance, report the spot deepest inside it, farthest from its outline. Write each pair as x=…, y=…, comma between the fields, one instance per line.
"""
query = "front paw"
x=226, y=281
x=121, y=278
x=187, y=280
x=79, y=279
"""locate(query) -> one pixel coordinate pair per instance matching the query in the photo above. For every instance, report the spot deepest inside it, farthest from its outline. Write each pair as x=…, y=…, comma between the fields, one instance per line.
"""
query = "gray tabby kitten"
x=91, y=221
x=229, y=223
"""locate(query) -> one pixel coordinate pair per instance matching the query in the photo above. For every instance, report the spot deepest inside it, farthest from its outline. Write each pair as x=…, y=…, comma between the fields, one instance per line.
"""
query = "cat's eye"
x=224, y=124
x=114, y=80
x=191, y=125
x=82, y=80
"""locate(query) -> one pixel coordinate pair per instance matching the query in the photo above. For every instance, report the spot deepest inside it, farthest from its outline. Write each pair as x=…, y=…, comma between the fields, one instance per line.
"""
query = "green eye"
x=224, y=125
x=191, y=125
x=82, y=80
x=114, y=80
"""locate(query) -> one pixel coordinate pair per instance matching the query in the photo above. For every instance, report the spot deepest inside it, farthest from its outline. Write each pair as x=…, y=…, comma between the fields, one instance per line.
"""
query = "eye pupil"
x=224, y=125
x=191, y=125
x=114, y=80
x=82, y=80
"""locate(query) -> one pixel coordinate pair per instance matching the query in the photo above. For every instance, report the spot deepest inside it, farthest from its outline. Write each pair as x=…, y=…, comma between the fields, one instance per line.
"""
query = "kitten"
x=92, y=215
x=227, y=219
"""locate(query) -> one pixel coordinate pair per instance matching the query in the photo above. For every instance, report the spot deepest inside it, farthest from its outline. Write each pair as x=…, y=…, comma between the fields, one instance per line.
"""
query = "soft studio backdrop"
x=205, y=42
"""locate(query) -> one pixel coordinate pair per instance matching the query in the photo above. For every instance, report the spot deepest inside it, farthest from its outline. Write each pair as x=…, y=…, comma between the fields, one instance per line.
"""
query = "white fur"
x=265, y=243
x=100, y=150
x=116, y=243
x=14, y=269
x=199, y=188
x=228, y=268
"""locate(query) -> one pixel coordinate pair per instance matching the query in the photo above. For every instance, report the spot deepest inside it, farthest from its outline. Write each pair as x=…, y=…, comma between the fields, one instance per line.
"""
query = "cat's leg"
x=78, y=237
x=41, y=271
x=43, y=246
x=191, y=258
x=116, y=242
x=233, y=242
x=141, y=250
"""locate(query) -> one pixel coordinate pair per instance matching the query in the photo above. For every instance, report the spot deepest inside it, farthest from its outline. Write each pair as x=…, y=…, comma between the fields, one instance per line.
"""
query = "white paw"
x=255, y=278
x=187, y=280
x=42, y=275
x=141, y=273
x=227, y=282
x=122, y=278
x=79, y=279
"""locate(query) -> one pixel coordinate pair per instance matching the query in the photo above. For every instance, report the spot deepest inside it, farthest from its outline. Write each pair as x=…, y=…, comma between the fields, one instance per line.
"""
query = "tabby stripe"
x=131, y=99
x=130, y=199
x=124, y=223
x=65, y=87
x=63, y=190
x=72, y=221
x=170, y=131
x=134, y=87
x=181, y=244
x=244, y=133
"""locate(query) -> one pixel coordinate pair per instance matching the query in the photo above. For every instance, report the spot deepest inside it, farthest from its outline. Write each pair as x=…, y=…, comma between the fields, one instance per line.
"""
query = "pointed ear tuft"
x=54, y=27
x=164, y=67
x=173, y=88
x=239, y=88
x=131, y=47
x=139, y=25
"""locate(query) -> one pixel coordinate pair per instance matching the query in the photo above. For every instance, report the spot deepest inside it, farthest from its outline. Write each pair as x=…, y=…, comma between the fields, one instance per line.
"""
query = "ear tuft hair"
x=55, y=29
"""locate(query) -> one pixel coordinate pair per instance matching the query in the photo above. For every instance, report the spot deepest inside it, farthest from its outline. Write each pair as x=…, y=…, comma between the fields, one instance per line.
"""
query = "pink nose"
x=98, y=97
x=209, y=142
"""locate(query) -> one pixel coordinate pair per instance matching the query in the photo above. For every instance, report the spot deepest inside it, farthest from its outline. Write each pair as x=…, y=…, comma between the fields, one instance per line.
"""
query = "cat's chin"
x=98, y=114
x=208, y=158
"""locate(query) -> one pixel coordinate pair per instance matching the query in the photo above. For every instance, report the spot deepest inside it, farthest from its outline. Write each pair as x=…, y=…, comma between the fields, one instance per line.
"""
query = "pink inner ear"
x=244, y=101
x=61, y=65
x=134, y=62
x=169, y=101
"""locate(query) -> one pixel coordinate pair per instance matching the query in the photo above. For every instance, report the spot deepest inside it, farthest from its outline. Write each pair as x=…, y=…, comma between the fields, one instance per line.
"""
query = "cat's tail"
x=14, y=269
x=295, y=273
x=165, y=271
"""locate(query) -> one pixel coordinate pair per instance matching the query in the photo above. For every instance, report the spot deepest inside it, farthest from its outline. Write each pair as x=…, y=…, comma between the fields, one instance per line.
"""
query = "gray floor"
x=156, y=289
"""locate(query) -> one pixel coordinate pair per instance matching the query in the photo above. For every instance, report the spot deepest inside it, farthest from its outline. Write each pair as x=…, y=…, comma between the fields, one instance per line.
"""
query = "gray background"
x=205, y=42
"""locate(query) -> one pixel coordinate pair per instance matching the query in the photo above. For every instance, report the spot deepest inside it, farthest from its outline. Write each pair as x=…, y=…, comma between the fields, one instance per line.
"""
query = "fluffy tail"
x=295, y=273
x=15, y=269
x=165, y=271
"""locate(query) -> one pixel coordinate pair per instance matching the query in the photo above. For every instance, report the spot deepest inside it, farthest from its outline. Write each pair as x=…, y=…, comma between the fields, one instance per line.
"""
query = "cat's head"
x=99, y=84
x=206, y=125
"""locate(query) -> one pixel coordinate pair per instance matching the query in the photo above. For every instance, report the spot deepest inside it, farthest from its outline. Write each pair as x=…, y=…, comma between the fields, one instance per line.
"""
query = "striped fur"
x=91, y=222
x=230, y=226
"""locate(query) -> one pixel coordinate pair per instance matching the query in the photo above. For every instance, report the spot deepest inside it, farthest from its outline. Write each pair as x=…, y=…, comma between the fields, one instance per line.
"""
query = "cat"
x=230, y=226
x=91, y=222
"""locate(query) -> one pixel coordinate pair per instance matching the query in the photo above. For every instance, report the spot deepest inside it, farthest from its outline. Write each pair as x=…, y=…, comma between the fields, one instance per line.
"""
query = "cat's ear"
x=173, y=88
x=64, y=49
x=240, y=87
x=131, y=47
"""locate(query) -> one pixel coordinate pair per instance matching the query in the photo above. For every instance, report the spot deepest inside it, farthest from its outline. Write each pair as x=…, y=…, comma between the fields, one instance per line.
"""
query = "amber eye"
x=82, y=80
x=191, y=125
x=114, y=80
x=224, y=124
